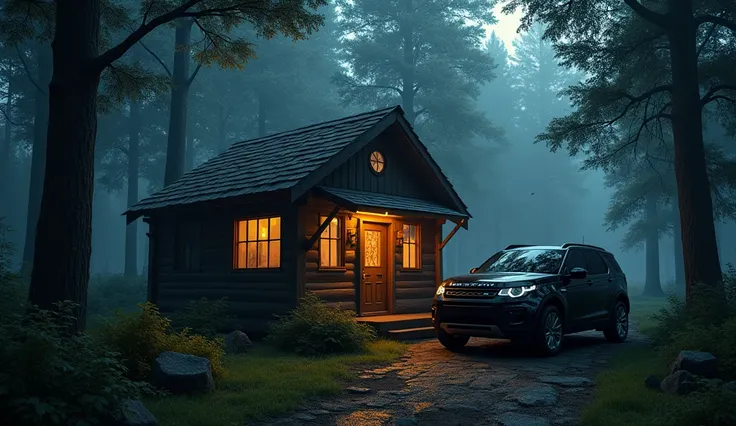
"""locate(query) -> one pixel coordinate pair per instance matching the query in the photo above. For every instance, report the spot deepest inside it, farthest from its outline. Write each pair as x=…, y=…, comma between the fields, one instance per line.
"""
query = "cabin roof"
x=288, y=160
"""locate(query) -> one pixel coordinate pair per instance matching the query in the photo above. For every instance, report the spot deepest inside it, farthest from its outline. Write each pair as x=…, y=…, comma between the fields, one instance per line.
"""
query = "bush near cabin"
x=313, y=328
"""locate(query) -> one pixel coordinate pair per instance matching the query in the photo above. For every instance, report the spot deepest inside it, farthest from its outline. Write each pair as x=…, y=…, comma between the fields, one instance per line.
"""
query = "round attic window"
x=378, y=163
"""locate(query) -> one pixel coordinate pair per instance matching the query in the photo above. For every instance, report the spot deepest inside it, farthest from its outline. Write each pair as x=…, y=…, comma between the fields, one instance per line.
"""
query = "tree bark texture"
x=38, y=156
x=63, y=235
x=7, y=140
x=652, y=285
x=176, y=147
x=131, y=231
x=700, y=251
x=679, y=264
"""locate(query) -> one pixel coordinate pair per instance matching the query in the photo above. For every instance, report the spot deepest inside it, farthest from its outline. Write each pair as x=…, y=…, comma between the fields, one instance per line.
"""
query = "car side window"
x=596, y=264
x=574, y=259
x=613, y=263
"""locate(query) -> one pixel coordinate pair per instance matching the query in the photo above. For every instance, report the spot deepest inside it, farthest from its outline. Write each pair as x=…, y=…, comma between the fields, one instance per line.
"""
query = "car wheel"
x=618, y=327
x=549, y=334
x=451, y=341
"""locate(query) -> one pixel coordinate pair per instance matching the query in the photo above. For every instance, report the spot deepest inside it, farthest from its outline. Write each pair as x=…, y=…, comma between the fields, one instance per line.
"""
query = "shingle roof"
x=265, y=164
x=391, y=202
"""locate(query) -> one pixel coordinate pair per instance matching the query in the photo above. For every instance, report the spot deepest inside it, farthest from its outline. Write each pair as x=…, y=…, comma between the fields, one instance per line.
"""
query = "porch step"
x=412, y=333
x=386, y=324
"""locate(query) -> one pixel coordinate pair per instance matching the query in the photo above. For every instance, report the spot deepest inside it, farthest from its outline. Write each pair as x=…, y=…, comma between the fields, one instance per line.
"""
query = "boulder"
x=730, y=386
x=702, y=364
x=680, y=382
x=237, y=342
x=182, y=374
x=652, y=382
x=134, y=414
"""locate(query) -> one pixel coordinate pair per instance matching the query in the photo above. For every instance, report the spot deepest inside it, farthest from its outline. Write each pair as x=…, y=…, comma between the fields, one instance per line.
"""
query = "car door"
x=600, y=285
x=577, y=291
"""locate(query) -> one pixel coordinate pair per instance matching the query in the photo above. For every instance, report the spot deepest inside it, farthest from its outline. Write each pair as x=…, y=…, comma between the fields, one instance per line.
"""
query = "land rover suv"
x=535, y=295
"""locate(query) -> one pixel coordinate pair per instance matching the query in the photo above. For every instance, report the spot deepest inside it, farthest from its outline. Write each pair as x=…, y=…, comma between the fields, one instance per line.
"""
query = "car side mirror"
x=473, y=270
x=578, y=273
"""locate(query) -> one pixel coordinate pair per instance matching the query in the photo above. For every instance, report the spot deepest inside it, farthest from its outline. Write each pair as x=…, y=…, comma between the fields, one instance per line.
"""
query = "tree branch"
x=194, y=74
x=155, y=56
x=716, y=20
x=373, y=86
x=28, y=73
x=7, y=119
x=656, y=18
x=707, y=39
x=710, y=94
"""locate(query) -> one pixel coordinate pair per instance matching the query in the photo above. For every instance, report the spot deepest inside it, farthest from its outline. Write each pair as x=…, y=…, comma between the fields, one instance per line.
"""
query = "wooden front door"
x=375, y=281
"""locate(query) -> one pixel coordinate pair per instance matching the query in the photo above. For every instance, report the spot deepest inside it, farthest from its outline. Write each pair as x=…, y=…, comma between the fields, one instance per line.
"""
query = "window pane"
x=412, y=233
x=326, y=232
x=242, y=225
x=334, y=228
x=252, y=248
x=240, y=263
x=252, y=231
x=324, y=252
x=263, y=254
x=262, y=229
x=274, y=258
x=405, y=257
x=412, y=255
x=275, y=228
x=333, y=253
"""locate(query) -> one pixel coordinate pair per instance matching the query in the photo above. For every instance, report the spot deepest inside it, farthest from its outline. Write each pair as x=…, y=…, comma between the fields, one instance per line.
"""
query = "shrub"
x=141, y=337
x=314, y=328
x=50, y=378
x=13, y=290
x=203, y=316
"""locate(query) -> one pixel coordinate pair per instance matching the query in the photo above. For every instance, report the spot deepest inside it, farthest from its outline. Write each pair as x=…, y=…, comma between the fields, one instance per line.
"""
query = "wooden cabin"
x=351, y=210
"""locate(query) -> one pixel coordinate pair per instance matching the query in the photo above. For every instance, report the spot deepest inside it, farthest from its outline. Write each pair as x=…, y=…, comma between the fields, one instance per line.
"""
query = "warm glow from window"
x=410, y=259
x=258, y=243
x=330, y=249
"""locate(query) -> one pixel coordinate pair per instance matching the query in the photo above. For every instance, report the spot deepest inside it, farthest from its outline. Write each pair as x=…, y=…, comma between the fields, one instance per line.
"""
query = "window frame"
x=341, y=236
x=188, y=232
x=237, y=242
x=417, y=243
x=603, y=261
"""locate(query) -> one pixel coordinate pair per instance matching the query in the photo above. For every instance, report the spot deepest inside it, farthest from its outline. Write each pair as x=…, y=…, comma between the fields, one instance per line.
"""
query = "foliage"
x=266, y=382
x=110, y=293
x=12, y=289
x=203, y=316
x=140, y=337
x=48, y=377
x=313, y=328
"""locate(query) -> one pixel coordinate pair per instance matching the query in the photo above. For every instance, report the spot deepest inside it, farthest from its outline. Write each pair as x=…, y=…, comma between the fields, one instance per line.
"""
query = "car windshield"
x=541, y=261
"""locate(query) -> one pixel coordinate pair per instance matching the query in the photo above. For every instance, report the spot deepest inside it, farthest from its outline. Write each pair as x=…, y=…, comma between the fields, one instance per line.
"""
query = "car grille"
x=485, y=293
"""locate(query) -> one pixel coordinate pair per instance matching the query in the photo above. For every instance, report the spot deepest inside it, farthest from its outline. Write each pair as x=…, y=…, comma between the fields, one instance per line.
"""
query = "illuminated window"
x=330, y=254
x=410, y=260
x=258, y=243
x=377, y=162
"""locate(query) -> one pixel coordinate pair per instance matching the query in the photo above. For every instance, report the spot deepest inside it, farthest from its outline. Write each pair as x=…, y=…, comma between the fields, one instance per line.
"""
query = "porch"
x=401, y=326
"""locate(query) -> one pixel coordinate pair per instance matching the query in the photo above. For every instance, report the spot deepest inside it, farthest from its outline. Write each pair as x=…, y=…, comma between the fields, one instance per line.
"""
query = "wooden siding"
x=335, y=286
x=415, y=288
x=254, y=295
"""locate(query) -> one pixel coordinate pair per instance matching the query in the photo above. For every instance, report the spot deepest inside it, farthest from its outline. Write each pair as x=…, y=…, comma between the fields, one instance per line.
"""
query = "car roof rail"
x=513, y=246
x=566, y=245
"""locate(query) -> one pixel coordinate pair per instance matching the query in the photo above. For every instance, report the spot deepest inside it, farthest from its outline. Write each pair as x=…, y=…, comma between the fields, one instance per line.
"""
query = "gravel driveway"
x=491, y=383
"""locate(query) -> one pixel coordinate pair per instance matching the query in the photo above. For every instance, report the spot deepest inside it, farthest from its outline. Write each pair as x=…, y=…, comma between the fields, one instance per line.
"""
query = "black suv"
x=535, y=294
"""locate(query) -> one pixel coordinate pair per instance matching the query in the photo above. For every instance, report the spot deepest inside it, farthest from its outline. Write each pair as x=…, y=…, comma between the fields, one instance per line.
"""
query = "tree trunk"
x=7, y=138
x=679, y=265
x=131, y=231
x=262, y=111
x=652, y=285
x=176, y=147
x=38, y=156
x=700, y=252
x=407, y=74
x=63, y=236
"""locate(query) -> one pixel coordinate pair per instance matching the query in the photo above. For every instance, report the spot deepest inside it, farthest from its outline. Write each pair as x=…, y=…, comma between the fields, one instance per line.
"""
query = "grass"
x=266, y=383
x=642, y=309
x=621, y=397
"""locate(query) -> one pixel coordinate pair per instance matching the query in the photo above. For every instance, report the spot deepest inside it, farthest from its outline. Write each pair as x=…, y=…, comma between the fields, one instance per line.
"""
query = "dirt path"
x=492, y=383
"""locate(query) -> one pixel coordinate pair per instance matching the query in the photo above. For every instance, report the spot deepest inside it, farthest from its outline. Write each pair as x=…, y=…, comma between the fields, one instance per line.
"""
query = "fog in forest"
x=480, y=125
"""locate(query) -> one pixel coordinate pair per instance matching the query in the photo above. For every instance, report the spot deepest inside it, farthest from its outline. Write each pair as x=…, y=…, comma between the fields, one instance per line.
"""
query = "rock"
x=304, y=417
x=681, y=382
x=237, y=342
x=698, y=363
x=406, y=421
x=653, y=382
x=534, y=396
x=182, y=374
x=518, y=419
x=319, y=412
x=703, y=383
x=134, y=414
x=730, y=386
x=354, y=389
x=567, y=381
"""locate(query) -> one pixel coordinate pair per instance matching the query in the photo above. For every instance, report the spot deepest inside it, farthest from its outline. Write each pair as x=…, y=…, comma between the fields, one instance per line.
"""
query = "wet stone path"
x=491, y=383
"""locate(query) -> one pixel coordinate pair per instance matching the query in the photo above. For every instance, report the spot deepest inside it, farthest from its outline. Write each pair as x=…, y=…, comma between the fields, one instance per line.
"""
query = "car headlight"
x=441, y=289
x=517, y=291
